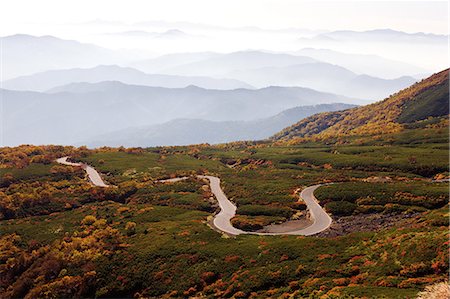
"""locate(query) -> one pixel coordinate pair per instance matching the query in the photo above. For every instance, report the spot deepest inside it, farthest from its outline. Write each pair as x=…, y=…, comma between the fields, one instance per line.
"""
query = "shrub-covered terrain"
x=62, y=237
x=368, y=197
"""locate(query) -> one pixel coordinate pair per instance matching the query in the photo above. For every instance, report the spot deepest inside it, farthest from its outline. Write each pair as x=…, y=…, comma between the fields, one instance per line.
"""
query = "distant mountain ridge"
x=222, y=65
x=80, y=111
x=72, y=61
x=194, y=131
x=261, y=69
x=324, y=77
x=384, y=35
x=427, y=98
x=27, y=54
x=372, y=65
x=50, y=79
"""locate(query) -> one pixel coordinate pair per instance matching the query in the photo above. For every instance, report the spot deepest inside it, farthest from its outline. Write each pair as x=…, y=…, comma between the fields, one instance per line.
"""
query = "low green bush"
x=341, y=208
x=255, y=210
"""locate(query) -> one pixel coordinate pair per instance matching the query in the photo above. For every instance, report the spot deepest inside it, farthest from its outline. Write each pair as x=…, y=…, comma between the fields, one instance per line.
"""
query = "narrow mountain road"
x=93, y=175
x=222, y=220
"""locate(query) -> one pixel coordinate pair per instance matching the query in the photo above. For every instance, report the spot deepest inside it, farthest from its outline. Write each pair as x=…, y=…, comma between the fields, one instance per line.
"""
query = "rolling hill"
x=425, y=99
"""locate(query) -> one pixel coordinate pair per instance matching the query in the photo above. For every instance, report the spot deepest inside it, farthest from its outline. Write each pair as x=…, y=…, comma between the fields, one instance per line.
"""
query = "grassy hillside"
x=428, y=98
x=62, y=237
x=432, y=102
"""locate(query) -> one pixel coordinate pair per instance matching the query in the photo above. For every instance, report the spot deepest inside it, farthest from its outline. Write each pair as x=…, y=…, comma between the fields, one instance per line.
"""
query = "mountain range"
x=51, y=79
x=261, y=69
x=324, y=77
x=26, y=54
x=382, y=35
x=194, y=131
x=372, y=65
x=223, y=65
x=31, y=57
x=80, y=111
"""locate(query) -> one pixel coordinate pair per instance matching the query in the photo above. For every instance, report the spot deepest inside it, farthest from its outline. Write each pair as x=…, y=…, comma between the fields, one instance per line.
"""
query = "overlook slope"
x=428, y=98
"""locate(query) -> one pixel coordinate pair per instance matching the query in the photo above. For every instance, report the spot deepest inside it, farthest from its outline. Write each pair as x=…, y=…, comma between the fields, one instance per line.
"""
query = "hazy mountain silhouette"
x=221, y=66
x=50, y=79
x=81, y=111
x=262, y=69
x=192, y=131
x=26, y=54
x=383, y=35
x=324, y=77
x=372, y=65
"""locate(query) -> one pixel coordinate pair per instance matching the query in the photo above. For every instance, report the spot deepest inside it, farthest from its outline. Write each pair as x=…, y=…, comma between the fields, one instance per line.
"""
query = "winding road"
x=222, y=220
x=93, y=175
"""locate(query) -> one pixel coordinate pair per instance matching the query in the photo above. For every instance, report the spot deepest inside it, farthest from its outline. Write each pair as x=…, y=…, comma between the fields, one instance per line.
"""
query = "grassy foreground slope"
x=61, y=237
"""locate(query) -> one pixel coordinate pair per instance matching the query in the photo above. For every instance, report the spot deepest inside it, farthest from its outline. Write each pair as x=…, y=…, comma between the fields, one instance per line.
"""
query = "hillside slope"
x=428, y=98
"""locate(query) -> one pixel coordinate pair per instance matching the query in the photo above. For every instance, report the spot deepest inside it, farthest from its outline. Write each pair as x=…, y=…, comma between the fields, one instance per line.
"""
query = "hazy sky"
x=424, y=16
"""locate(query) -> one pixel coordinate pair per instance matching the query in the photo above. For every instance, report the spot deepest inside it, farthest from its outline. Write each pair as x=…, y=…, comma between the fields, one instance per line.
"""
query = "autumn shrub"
x=89, y=220
x=388, y=197
x=6, y=180
x=130, y=228
x=416, y=270
x=247, y=223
